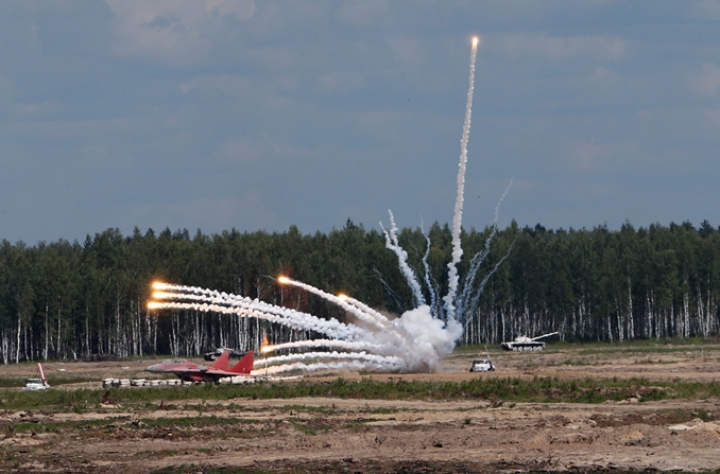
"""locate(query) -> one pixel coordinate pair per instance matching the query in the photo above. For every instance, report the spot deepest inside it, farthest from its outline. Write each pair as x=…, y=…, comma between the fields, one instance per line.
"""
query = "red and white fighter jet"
x=191, y=371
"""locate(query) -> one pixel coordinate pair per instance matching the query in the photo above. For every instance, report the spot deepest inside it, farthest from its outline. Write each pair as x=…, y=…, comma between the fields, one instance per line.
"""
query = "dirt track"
x=340, y=435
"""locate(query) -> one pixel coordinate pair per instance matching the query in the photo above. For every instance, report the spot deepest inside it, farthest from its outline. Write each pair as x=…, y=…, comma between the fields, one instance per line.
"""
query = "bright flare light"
x=265, y=343
x=413, y=342
x=161, y=295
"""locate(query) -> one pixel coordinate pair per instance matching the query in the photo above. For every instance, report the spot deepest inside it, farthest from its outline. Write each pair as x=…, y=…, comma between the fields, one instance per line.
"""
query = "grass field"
x=573, y=407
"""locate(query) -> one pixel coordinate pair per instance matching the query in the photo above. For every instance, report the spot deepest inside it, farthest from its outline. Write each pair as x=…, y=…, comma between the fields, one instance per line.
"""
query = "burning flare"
x=414, y=342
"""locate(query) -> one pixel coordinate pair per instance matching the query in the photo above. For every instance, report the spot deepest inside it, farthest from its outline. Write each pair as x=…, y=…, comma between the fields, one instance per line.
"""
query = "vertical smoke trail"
x=391, y=242
x=497, y=208
x=414, y=342
x=457, y=218
x=428, y=277
x=472, y=303
x=467, y=288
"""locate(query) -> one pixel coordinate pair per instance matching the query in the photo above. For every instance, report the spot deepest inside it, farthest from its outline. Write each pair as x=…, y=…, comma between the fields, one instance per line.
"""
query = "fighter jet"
x=191, y=371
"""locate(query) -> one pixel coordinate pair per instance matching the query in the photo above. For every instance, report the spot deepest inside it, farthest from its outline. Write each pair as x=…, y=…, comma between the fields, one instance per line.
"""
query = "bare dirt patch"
x=349, y=435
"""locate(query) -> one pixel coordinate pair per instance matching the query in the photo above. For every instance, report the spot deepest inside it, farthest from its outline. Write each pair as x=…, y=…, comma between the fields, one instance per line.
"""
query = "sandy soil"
x=340, y=435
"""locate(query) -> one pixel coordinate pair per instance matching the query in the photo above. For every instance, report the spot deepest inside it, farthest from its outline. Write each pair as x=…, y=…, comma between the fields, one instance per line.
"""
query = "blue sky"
x=216, y=114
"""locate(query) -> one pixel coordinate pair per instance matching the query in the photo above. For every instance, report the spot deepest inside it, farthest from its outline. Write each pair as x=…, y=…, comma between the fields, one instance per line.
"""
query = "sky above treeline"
x=221, y=114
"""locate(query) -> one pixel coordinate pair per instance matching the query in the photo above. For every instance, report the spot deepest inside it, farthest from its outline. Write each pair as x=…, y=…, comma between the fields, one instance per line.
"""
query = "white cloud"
x=229, y=84
x=7, y=90
x=341, y=82
x=248, y=150
x=407, y=51
x=605, y=79
x=38, y=110
x=363, y=13
x=245, y=212
x=585, y=154
x=556, y=47
x=705, y=82
x=241, y=9
x=595, y=157
x=706, y=10
x=713, y=117
x=177, y=30
x=239, y=150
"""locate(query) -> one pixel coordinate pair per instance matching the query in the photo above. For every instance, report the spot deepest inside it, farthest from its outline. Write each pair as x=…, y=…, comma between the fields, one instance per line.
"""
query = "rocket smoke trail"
x=457, y=217
x=414, y=342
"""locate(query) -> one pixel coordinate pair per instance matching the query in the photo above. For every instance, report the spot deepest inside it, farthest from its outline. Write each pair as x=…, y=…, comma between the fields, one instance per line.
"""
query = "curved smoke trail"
x=414, y=342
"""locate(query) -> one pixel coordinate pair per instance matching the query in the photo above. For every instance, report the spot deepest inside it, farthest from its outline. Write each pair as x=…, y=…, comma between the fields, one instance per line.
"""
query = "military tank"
x=524, y=343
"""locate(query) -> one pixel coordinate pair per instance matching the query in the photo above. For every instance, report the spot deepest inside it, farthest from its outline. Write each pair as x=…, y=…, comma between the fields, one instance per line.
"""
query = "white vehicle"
x=482, y=365
x=37, y=384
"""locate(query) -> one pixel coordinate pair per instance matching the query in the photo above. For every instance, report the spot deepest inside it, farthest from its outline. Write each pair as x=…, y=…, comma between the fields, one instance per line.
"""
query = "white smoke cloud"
x=431, y=339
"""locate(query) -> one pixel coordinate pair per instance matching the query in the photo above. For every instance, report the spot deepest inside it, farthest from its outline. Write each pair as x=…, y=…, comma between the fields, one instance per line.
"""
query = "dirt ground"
x=342, y=435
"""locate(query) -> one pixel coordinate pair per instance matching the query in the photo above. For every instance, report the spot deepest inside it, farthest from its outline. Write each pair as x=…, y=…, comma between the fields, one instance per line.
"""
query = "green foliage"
x=64, y=300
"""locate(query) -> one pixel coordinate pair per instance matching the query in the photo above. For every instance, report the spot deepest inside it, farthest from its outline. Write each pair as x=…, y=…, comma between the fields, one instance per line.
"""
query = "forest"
x=65, y=300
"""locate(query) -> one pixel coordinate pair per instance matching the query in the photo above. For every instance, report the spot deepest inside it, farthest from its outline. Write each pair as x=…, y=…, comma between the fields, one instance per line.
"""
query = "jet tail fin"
x=42, y=373
x=245, y=365
x=222, y=362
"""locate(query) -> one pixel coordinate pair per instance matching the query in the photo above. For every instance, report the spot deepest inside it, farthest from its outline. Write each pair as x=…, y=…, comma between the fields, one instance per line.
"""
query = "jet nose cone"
x=153, y=368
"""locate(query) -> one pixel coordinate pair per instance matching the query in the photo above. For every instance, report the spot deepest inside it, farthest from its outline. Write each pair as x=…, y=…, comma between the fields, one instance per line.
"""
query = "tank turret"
x=524, y=343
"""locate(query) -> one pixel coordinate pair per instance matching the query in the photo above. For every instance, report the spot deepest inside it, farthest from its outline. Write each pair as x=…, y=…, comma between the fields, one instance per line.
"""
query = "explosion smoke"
x=414, y=342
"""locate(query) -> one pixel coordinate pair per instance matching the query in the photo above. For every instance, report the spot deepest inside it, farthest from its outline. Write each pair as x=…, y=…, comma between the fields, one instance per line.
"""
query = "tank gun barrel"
x=544, y=335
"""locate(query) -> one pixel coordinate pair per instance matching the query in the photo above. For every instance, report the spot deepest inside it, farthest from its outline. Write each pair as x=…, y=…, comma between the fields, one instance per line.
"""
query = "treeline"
x=72, y=300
